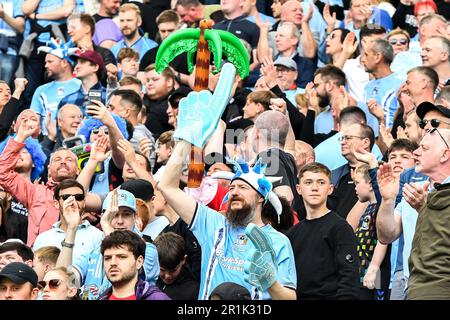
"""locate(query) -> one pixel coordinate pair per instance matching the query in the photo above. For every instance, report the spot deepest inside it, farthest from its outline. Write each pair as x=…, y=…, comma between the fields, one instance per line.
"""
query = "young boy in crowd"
x=371, y=253
x=175, y=278
x=324, y=244
x=128, y=62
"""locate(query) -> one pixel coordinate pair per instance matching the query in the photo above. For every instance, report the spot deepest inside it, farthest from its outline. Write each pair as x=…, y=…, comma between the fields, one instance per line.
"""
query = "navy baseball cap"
x=140, y=188
x=19, y=273
x=426, y=106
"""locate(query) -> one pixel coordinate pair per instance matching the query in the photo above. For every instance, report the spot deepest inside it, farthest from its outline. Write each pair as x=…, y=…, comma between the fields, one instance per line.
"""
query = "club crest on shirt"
x=366, y=223
x=60, y=91
x=240, y=243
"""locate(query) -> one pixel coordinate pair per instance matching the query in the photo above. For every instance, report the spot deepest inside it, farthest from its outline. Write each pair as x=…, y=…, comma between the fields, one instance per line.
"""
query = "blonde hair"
x=363, y=170
x=301, y=99
x=398, y=31
x=130, y=7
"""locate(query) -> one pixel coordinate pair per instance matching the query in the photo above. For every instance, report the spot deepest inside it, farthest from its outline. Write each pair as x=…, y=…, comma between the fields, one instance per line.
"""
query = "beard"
x=131, y=34
x=124, y=279
x=240, y=217
x=324, y=101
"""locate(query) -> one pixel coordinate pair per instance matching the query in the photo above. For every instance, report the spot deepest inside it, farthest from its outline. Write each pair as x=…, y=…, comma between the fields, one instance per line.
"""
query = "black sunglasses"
x=78, y=197
x=393, y=42
x=53, y=284
x=432, y=130
x=434, y=123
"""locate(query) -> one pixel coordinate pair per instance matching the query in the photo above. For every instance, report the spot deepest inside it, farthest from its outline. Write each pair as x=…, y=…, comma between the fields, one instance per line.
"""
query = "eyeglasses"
x=97, y=131
x=432, y=130
x=348, y=137
x=284, y=70
x=331, y=36
x=78, y=197
x=402, y=41
x=435, y=123
x=53, y=284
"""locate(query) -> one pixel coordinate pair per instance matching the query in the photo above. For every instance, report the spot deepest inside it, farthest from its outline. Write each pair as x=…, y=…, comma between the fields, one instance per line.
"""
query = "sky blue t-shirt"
x=329, y=152
x=379, y=17
x=263, y=18
x=225, y=250
x=405, y=61
x=93, y=277
x=324, y=122
x=46, y=98
x=384, y=90
x=44, y=7
x=14, y=9
x=141, y=46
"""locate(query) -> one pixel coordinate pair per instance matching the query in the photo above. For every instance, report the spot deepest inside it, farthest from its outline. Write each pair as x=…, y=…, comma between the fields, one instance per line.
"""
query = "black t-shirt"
x=344, y=195
x=241, y=28
x=326, y=259
x=282, y=164
x=157, y=118
x=193, y=248
x=15, y=222
x=185, y=287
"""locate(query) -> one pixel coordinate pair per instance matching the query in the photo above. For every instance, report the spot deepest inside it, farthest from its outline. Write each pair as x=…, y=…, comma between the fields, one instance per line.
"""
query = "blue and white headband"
x=255, y=177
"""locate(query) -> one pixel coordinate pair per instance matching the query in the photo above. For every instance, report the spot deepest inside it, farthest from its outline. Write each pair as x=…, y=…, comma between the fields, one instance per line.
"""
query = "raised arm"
x=263, y=49
x=17, y=23
x=97, y=156
x=389, y=224
x=130, y=157
x=309, y=44
x=183, y=204
x=29, y=7
x=199, y=115
x=71, y=214
x=99, y=111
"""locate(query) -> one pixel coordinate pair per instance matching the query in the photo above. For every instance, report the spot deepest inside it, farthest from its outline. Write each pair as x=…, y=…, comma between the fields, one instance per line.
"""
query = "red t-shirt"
x=113, y=297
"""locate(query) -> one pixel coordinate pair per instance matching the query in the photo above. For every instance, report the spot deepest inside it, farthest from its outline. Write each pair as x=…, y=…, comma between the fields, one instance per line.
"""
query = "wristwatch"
x=67, y=245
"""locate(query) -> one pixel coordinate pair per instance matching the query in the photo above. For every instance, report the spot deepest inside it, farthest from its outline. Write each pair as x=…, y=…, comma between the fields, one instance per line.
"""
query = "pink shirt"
x=37, y=198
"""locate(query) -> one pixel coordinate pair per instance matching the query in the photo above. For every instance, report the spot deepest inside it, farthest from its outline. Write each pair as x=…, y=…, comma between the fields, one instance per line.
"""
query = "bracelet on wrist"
x=67, y=245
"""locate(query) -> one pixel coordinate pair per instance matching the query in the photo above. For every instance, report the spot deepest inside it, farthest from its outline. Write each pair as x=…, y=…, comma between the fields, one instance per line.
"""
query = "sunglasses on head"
x=97, y=131
x=393, y=42
x=53, y=284
x=433, y=130
x=78, y=197
x=435, y=123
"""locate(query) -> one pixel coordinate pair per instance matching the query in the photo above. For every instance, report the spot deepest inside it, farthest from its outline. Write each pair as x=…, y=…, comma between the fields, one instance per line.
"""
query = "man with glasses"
x=286, y=41
x=38, y=199
x=427, y=247
x=87, y=235
x=433, y=116
x=356, y=136
x=120, y=211
x=286, y=77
